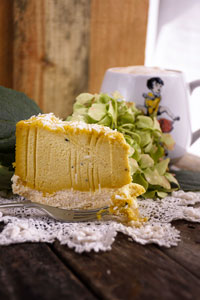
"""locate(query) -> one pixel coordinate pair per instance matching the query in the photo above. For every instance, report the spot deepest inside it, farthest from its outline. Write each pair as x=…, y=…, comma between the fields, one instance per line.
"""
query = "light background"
x=173, y=42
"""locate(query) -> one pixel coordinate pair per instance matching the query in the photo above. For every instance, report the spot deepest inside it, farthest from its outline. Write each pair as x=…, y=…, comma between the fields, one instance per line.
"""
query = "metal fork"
x=60, y=214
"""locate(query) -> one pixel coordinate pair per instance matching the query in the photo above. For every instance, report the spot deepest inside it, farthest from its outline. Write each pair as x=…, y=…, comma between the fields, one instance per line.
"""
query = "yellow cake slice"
x=71, y=164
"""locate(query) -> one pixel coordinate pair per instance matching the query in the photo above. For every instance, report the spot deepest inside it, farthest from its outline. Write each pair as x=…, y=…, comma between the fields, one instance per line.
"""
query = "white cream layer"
x=70, y=199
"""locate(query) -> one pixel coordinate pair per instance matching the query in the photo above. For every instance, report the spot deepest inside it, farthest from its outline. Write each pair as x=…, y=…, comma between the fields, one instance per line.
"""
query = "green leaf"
x=84, y=98
x=79, y=109
x=112, y=111
x=145, y=137
x=171, y=178
x=156, y=124
x=161, y=194
x=132, y=150
x=128, y=131
x=86, y=118
x=134, y=165
x=157, y=134
x=126, y=117
x=153, y=194
x=104, y=98
x=144, y=122
x=149, y=147
x=76, y=117
x=162, y=166
x=97, y=111
x=139, y=178
x=158, y=153
x=154, y=178
x=146, y=161
x=128, y=139
x=168, y=141
x=106, y=121
x=149, y=194
x=136, y=155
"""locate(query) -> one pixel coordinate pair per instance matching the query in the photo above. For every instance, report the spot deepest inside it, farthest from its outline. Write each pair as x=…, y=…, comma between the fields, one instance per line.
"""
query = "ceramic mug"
x=160, y=92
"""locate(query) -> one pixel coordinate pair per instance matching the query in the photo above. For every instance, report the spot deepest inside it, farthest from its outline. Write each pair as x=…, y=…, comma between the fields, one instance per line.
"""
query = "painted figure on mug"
x=152, y=105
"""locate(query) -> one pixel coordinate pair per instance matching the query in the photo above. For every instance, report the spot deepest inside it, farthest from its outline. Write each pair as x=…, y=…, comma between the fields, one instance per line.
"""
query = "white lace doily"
x=28, y=225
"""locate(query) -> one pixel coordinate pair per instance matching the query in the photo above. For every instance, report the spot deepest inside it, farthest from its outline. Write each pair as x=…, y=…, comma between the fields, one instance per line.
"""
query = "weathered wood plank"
x=131, y=271
x=187, y=253
x=28, y=48
x=6, y=43
x=32, y=271
x=51, y=48
x=118, y=35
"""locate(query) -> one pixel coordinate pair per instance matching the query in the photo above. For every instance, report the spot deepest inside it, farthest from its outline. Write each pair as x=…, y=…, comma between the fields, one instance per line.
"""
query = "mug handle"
x=193, y=85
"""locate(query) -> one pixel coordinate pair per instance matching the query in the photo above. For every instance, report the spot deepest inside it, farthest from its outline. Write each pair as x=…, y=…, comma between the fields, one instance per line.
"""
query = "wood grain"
x=132, y=271
x=32, y=271
x=187, y=253
x=118, y=34
x=56, y=46
x=29, y=48
x=128, y=271
x=6, y=43
x=51, y=51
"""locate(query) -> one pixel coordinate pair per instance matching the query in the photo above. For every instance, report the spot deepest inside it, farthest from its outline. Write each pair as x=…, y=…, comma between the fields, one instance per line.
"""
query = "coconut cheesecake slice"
x=71, y=164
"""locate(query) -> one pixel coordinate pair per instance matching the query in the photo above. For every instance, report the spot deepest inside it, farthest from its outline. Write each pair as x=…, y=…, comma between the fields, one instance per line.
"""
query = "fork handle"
x=14, y=204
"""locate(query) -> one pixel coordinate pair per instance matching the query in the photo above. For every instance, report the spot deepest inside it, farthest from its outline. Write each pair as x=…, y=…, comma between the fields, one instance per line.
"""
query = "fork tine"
x=90, y=211
x=89, y=214
x=93, y=216
x=86, y=218
x=85, y=214
x=60, y=213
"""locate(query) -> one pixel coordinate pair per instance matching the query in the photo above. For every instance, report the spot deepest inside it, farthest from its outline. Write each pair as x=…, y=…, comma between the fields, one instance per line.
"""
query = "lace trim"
x=30, y=225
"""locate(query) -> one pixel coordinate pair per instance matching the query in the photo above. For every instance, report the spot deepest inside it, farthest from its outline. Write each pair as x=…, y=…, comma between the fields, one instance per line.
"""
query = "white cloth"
x=29, y=225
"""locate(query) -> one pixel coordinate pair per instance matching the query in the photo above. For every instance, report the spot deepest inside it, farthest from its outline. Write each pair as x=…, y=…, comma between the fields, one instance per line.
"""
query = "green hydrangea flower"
x=149, y=166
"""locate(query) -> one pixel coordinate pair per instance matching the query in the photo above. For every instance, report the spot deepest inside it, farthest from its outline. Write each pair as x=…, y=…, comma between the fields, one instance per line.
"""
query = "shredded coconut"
x=50, y=121
x=118, y=197
x=30, y=225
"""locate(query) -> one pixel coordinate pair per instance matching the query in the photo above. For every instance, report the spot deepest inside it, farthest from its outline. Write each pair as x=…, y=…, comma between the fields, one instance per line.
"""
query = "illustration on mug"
x=152, y=105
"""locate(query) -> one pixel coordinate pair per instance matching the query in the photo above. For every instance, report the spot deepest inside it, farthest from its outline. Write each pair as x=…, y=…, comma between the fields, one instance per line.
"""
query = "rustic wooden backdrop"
x=55, y=49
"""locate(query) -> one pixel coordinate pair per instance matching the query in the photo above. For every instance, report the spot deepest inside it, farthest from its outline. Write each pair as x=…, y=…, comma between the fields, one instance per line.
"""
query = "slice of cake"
x=71, y=164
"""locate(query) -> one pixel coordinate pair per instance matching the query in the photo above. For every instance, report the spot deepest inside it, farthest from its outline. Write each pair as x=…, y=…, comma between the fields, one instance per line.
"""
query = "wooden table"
x=128, y=271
